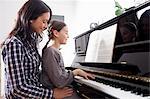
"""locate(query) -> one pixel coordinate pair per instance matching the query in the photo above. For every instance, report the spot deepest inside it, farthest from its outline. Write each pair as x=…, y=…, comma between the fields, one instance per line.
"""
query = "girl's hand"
x=82, y=73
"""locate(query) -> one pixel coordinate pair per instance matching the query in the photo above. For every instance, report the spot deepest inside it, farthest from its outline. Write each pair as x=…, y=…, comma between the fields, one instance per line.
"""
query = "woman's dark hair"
x=131, y=26
x=129, y=31
x=144, y=26
x=31, y=10
x=54, y=25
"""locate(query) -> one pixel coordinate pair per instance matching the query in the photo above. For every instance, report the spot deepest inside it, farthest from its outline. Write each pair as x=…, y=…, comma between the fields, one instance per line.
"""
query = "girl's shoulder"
x=51, y=50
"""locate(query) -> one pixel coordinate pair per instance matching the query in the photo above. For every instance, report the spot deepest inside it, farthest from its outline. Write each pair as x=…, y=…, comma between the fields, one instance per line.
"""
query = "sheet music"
x=100, y=46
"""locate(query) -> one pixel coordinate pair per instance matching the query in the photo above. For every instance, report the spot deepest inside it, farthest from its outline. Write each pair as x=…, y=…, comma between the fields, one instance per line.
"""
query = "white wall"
x=8, y=9
x=98, y=11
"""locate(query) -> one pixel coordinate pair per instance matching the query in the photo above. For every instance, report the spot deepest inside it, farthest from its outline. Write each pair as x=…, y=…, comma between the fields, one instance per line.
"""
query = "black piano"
x=128, y=75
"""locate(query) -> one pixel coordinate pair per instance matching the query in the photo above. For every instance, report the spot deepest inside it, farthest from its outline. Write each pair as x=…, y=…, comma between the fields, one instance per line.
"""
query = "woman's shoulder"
x=12, y=40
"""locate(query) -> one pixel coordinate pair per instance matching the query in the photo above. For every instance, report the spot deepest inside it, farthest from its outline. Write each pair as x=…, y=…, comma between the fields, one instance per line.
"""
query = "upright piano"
x=128, y=75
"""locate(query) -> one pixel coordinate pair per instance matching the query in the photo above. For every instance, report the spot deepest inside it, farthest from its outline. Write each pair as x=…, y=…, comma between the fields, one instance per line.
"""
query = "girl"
x=53, y=70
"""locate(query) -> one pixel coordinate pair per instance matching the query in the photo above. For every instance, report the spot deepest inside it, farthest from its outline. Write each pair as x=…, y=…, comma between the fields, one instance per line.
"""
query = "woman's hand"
x=60, y=93
x=82, y=73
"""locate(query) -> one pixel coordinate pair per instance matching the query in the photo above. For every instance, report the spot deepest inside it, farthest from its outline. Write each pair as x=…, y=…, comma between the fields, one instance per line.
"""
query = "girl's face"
x=40, y=24
x=62, y=35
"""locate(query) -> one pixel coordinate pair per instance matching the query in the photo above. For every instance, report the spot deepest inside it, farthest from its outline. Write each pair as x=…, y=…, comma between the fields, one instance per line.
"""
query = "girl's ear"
x=56, y=33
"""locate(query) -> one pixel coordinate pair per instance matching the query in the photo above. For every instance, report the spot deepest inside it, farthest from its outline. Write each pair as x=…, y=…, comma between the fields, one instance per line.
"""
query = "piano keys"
x=128, y=75
x=115, y=84
x=115, y=89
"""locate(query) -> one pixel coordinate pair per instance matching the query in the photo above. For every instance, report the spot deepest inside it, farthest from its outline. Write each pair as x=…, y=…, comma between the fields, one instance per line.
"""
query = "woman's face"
x=127, y=35
x=40, y=24
x=63, y=35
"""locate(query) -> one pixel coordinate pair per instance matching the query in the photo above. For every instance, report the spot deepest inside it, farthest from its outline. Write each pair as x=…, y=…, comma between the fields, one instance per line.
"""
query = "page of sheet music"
x=100, y=46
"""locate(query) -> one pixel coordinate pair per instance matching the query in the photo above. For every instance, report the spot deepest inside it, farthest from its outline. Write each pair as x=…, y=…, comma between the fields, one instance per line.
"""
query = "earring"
x=31, y=21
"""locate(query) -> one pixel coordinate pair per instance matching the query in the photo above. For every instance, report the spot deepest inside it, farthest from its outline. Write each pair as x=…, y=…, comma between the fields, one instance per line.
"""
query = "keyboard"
x=112, y=89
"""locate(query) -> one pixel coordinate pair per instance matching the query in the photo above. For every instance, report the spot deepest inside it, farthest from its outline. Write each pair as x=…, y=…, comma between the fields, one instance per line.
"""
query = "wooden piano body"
x=128, y=76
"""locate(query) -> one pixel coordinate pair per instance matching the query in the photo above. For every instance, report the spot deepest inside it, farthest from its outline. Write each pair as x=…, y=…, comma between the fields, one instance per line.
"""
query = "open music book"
x=101, y=44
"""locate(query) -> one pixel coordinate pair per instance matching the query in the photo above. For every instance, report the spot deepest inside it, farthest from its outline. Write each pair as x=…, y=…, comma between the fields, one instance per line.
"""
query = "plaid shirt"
x=21, y=71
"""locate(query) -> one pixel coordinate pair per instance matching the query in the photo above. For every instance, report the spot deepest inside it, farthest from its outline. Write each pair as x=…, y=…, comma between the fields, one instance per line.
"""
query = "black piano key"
x=130, y=88
x=123, y=86
x=146, y=93
x=139, y=91
x=134, y=90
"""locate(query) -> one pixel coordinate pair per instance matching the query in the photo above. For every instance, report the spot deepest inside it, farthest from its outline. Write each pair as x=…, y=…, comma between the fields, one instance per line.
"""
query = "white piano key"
x=115, y=92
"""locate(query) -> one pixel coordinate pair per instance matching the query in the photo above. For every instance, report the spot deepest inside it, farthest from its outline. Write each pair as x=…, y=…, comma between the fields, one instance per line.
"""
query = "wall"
x=8, y=9
x=98, y=11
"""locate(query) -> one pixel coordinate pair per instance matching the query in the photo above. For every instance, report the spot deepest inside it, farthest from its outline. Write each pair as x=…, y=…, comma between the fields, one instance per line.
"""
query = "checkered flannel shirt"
x=21, y=71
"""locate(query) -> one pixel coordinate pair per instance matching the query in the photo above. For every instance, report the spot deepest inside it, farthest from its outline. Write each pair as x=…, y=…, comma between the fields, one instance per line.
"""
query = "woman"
x=21, y=58
x=53, y=70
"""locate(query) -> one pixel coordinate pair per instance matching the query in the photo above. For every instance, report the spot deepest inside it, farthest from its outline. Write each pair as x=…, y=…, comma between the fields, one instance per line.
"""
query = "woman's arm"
x=14, y=59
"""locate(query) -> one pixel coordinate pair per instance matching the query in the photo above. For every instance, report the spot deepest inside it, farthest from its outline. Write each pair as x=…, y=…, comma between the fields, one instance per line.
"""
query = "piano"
x=128, y=75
